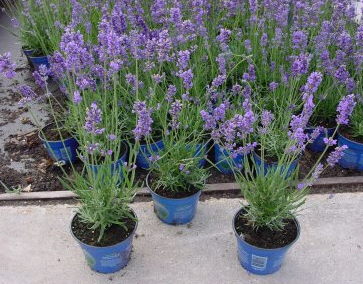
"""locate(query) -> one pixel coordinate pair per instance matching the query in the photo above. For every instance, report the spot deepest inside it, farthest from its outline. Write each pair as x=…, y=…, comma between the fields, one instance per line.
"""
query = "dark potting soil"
x=264, y=237
x=51, y=133
x=41, y=174
x=164, y=192
x=113, y=235
x=347, y=132
x=324, y=123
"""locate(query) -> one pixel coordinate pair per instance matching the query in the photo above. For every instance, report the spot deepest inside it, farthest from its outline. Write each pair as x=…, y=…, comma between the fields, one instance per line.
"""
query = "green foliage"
x=177, y=169
x=41, y=23
x=272, y=197
x=104, y=196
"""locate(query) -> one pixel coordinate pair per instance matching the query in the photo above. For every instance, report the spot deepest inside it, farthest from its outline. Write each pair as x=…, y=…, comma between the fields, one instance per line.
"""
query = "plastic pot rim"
x=129, y=237
x=351, y=141
x=153, y=192
x=267, y=249
x=45, y=140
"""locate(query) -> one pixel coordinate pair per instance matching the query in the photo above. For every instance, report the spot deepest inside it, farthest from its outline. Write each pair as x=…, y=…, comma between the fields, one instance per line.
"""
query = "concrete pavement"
x=36, y=247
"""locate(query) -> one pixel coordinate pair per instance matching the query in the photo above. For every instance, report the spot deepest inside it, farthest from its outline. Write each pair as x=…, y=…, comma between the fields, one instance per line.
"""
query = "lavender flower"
x=187, y=77
x=92, y=147
x=299, y=122
x=28, y=95
x=183, y=59
x=266, y=118
x=158, y=78
x=345, y=109
x=341, y=74
x=335, y=156
x=313, y=82
x=112, y=137
x=247, y=44
x=7, y=68
x=93, y=118
x=300, y=64
x=144, y=120
x=251, y=74
x=154, y=158
x=170, y=93
x=223, y=39
x=219, y=81
x=174, y=111
x=209, y=121
x=245, y=150
x=329, y=141
x=41, y=76
x=299, y=40
x=273, y=86
x=314, y=176
x=77, y=98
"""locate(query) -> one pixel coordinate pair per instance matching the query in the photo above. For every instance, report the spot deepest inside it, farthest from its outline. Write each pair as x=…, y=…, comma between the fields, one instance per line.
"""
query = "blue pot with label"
x=146, y=151
x=224, y=160
x=107, y=259
x=318, y=144
x=116, y=167
x=273, y=166
x=174, y=211
x=39, y=60
x=259, y=260
x=63, y=151
x=353, y=156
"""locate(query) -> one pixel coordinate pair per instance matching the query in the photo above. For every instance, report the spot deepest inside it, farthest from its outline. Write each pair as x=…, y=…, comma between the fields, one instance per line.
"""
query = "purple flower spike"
x=93, y=118
x=112, y=137
x=187, y=77
x=77, y=98
x=313, y=82
x=266, y=118
x=6, y=66
x=28, y=95
x=273, y=86
x=144, y=120
x=336, y=155
x=345, y=109
x=174, y=111
x=330, y=141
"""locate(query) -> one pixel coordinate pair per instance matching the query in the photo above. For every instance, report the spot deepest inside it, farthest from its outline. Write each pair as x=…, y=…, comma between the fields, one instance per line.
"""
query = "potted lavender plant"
x=176, y=180
x=266, y=227
x=104, y=224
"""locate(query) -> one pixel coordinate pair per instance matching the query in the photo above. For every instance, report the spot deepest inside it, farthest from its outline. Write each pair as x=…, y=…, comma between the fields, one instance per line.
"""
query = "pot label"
x=258, y=262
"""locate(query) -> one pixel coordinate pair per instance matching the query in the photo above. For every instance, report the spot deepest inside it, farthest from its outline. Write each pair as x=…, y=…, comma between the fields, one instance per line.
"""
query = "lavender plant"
x=39, y=24
x=104, y=200
x=275, y=196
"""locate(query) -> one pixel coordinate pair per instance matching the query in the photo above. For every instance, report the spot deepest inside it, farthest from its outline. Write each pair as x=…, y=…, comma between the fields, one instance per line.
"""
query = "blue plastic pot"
x=116, y=167
x=28, y=52
x=146, y=151
x=174, y=211
x=273, y=166
x=224, y=160
x=259, y=260
x=107, y=259
x=39, y=60
x=353, y=156
x=200, y=152
x=64, y=151
x=318, y=145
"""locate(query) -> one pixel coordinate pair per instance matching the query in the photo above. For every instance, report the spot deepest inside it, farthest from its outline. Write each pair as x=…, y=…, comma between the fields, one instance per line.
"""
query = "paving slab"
x=36, y=246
